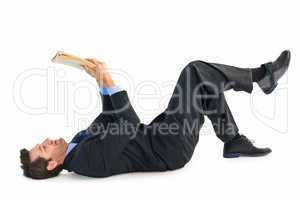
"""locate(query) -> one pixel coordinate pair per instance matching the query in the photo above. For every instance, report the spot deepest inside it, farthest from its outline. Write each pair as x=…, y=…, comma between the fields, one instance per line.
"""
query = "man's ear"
x=51, y=165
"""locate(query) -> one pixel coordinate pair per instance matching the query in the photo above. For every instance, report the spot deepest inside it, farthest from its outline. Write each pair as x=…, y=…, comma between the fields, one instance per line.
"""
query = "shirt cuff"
x=109, y=90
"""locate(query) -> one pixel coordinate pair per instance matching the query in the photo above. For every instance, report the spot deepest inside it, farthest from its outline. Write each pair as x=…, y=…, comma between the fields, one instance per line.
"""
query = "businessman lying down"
x=117, y=142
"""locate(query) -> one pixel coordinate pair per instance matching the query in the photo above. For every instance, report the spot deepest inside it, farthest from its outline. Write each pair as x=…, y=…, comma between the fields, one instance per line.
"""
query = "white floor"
x=148, y=43
x=207, y=175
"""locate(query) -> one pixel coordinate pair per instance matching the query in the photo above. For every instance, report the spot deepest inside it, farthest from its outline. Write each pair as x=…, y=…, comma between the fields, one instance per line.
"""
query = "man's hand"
x=99, y=72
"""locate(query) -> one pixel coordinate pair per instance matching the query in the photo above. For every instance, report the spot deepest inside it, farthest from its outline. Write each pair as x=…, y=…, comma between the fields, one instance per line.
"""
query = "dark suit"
x=116, y=142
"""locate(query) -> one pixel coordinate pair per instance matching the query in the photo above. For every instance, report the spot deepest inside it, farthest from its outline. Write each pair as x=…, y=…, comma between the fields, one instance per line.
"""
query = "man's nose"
x=49, y=142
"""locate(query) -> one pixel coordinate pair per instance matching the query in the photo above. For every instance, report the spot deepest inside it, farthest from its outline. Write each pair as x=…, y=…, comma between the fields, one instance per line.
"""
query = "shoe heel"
x=231, y=155
x=269, y=91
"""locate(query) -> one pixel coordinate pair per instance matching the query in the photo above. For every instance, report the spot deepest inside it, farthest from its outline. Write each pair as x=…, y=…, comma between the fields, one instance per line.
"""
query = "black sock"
x=258, y=73
x=237, y=136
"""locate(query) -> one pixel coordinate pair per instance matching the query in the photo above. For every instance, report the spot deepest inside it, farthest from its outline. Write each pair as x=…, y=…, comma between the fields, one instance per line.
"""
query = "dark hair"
x=37, y=169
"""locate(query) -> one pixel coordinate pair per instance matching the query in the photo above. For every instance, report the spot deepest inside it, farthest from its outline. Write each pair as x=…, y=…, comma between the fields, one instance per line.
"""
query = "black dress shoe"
x=242, y=146
x=274, y=71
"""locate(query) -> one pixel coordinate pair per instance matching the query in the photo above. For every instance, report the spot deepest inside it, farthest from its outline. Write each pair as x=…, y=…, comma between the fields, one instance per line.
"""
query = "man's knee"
x=198, y=66
x=207, y=76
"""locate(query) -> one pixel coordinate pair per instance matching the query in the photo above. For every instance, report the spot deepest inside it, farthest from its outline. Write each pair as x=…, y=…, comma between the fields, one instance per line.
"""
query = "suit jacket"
x=116, y=142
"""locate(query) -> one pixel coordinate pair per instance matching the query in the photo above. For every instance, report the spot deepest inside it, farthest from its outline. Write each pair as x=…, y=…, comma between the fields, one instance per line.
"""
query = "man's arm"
x=119, y=99
x=100, y=73
x=105, y=82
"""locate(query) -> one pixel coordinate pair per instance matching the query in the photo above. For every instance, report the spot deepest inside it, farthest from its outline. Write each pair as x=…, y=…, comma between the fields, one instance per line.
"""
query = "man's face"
x=49, y=149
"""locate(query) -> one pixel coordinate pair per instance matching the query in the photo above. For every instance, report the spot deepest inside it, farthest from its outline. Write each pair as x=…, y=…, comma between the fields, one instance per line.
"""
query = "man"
x=117, y=142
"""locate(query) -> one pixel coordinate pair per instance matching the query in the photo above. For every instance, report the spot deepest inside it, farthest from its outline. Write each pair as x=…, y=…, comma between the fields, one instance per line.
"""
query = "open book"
x=71, y=60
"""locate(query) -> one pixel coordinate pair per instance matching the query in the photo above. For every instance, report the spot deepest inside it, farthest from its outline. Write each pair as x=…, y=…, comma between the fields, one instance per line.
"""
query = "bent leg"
x=238, y=79
x=223, y=123
x=200, y=91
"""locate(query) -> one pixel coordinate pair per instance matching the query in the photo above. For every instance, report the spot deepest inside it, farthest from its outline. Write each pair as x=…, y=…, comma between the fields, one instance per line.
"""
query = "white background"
x=150, y=41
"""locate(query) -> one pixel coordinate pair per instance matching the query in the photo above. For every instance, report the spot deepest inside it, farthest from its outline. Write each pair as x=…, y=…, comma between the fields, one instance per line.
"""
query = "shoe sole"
x=231, y=155
x=270, y=90
x=236, y=155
